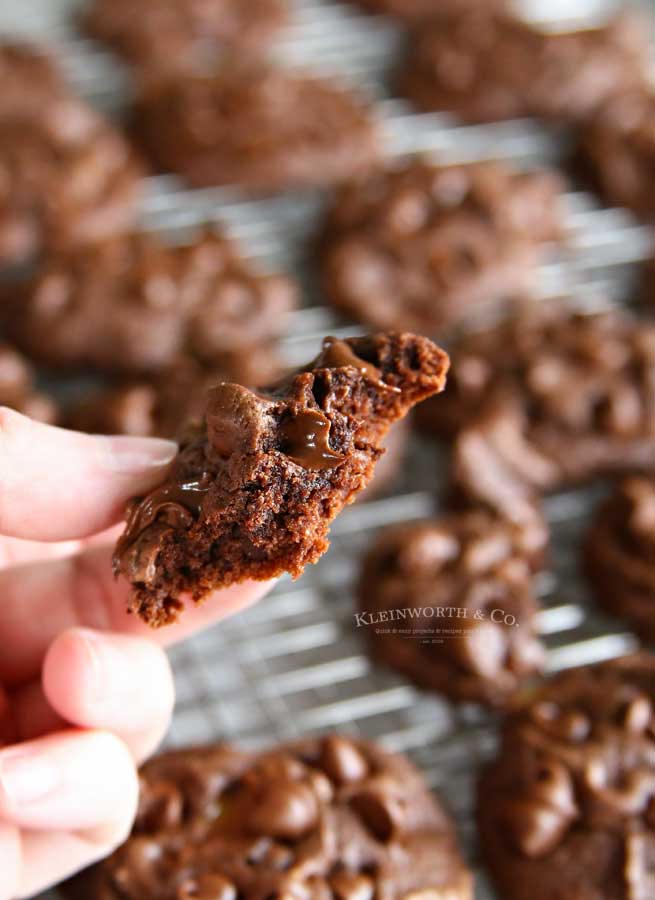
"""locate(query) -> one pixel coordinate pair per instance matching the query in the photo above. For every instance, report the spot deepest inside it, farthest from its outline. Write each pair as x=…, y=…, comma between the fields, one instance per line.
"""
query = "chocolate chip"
x=352, y=887
x=286, y=811
x=207, y=887
x=342, y=761
x=379, y=812
x=566, y=724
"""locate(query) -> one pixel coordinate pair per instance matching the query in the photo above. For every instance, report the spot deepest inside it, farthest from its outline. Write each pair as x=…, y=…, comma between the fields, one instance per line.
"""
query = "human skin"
x=86, y=691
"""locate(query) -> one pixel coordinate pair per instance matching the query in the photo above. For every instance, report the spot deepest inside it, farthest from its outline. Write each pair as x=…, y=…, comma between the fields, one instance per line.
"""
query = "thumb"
x=59, y=485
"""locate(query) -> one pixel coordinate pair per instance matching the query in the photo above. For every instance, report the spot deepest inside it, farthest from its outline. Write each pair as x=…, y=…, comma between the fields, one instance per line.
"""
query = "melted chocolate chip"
x=177, y=503
x=338, y=354
x=305, y=438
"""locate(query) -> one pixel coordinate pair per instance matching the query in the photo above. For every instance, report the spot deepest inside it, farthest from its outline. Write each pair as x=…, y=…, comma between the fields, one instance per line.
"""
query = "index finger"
x=58, y=485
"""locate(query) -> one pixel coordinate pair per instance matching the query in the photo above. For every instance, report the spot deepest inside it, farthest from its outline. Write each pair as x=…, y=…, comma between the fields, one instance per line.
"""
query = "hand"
x=86, y=691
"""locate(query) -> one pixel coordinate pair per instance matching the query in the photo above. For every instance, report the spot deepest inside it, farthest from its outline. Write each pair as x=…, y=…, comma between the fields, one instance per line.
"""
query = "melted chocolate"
x=305, y=439
x=177, y=504
x=337, y=354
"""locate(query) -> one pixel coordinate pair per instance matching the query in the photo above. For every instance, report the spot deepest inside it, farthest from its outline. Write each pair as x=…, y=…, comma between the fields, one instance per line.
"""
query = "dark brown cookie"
x=178, y=34
x=136, y=305
x=66, y=178
x=620, y=555
x=485, y=65
x=30, y=81
x=449, y=602
x=417, y=246
x=162, y=405
x=17, y=387
x=647, y=291
x=617, y=151
x=261, y=127
x=567, y=811
x=323, y=818
x=269, y=470
x=420, y=10
x=548, y=399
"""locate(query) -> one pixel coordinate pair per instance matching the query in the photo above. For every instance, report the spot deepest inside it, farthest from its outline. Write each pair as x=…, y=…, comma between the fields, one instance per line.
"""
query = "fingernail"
x=132, y=456
x=108, y=668
x=26, y=778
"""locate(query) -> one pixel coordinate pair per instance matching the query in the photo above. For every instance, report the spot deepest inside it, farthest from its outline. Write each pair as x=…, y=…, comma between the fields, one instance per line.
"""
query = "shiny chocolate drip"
x=337, y=354
x=178, y=504
x=305, y=439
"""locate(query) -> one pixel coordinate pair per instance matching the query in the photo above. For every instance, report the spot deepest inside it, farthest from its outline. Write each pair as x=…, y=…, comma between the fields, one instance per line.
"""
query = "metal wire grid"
x=294, y=664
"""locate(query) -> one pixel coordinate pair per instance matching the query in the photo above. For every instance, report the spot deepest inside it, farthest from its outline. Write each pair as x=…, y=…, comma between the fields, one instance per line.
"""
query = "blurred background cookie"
x=135, y=304
x=419, y=246
x=182, y=34
x=258, y=126
x=18, y=389
x=485, y=65
x=616, y=153
x=620, y=554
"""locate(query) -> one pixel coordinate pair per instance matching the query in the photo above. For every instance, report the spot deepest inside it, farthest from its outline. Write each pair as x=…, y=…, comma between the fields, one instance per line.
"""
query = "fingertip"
x=69, y=675
x=100, y=679
x=101, y=472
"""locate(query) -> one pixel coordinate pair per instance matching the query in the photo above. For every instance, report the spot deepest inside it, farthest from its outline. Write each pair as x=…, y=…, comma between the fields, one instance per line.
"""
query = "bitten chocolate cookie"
x=323, y=818
x=66, y=178
x=261, y=127
x=30, y=81
x=18, y=390
x=449, y=602
x=485, y=65
x=548, y=399
x=417, y=246
x=620, y=555
x=617, y=151
x=253, y=491
x=567, y=811
x=182, y=33
x=136, y=305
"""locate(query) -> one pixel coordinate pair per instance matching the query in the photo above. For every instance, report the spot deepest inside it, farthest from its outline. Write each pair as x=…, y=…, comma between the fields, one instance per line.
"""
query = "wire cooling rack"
x=294, y=664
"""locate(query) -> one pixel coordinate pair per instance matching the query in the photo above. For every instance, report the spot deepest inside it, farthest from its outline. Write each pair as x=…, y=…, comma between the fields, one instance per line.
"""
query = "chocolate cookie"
x=323, y=818
x=567, y=810
x=617, y=151
x=548, y=399
x=18, y=390
x=66, y=178
x=647, y=292
x=136, y=305
x=420, y=10
x=485, y=65
x=162, y=405
x=620, y=555
x=30, y=81
x=261, y=127
x=449, y=602
x=417, y=246
x=182, y=33
x=269, y=470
